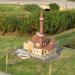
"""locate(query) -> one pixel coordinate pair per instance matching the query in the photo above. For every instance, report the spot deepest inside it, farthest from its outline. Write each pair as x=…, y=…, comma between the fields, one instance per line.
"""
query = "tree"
x=71, y=0
x=54, y=7
x=31, y=8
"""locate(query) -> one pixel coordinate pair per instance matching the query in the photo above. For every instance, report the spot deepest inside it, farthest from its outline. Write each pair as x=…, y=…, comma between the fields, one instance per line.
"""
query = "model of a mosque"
x=41, y=45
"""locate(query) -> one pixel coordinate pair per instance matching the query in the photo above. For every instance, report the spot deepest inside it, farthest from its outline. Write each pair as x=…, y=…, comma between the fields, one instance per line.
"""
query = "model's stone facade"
x=28, y=46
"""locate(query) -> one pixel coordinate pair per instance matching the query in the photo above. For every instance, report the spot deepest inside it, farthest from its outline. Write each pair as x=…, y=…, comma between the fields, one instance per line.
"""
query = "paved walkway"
x=62, y=3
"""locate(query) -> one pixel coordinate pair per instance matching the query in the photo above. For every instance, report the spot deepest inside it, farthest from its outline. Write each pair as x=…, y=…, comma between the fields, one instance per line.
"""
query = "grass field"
x=10, y=8
x=63, y=66
x=26, y=67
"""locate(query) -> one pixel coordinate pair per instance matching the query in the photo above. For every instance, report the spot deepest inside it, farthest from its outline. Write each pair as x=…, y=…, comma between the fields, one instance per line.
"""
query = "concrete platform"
x=2, y=73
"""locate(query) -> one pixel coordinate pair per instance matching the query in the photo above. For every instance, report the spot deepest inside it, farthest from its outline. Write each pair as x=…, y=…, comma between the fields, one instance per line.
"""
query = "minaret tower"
x=41, y=35
x=41, y=22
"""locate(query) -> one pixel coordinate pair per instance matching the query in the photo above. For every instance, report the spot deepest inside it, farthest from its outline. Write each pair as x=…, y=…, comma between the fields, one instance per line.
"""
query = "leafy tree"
x=54, y=7
x=31, y=8
x=71, y=0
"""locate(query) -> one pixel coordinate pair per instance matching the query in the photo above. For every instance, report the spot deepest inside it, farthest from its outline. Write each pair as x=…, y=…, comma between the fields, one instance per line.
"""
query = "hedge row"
x=59, y=21
x=18, y=22
x=54, y=22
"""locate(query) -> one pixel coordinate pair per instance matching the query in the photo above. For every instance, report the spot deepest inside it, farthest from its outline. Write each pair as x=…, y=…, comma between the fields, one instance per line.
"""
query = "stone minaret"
x=41, y=22
x=41, y=28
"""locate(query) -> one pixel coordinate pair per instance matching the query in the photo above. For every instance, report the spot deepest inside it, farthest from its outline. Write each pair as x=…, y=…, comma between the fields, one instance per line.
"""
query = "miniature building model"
x=41, y=44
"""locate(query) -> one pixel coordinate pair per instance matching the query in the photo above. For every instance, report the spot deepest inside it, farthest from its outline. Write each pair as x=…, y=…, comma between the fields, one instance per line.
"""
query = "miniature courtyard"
x=41, y=46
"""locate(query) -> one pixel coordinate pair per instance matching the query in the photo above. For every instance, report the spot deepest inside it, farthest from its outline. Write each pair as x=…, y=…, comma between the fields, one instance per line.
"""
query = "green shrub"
x=28, y=22
x=58, y=21
x=31, y=8
x=70, y=42
x=54, y=7
x=71, y=0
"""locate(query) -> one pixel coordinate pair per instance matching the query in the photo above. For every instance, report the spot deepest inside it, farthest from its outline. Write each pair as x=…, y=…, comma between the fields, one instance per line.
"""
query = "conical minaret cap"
x=41, y=15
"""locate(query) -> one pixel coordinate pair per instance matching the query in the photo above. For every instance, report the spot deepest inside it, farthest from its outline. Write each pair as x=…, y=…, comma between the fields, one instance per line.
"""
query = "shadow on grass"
x=68, y=46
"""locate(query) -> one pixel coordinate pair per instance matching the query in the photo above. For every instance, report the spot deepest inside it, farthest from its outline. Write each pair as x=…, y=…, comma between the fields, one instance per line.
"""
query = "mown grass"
x=25, y=67
x=63, y=66
x=9, y=42
x=10, y=8
x=62, y=38
x=29, y=67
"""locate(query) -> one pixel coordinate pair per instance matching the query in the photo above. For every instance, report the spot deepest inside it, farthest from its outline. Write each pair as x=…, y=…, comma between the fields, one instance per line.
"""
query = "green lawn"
x=25, y=67
x=66, y=65
x=9, y=42
x=10, y=8
x=63, y=66
x=62, y=38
